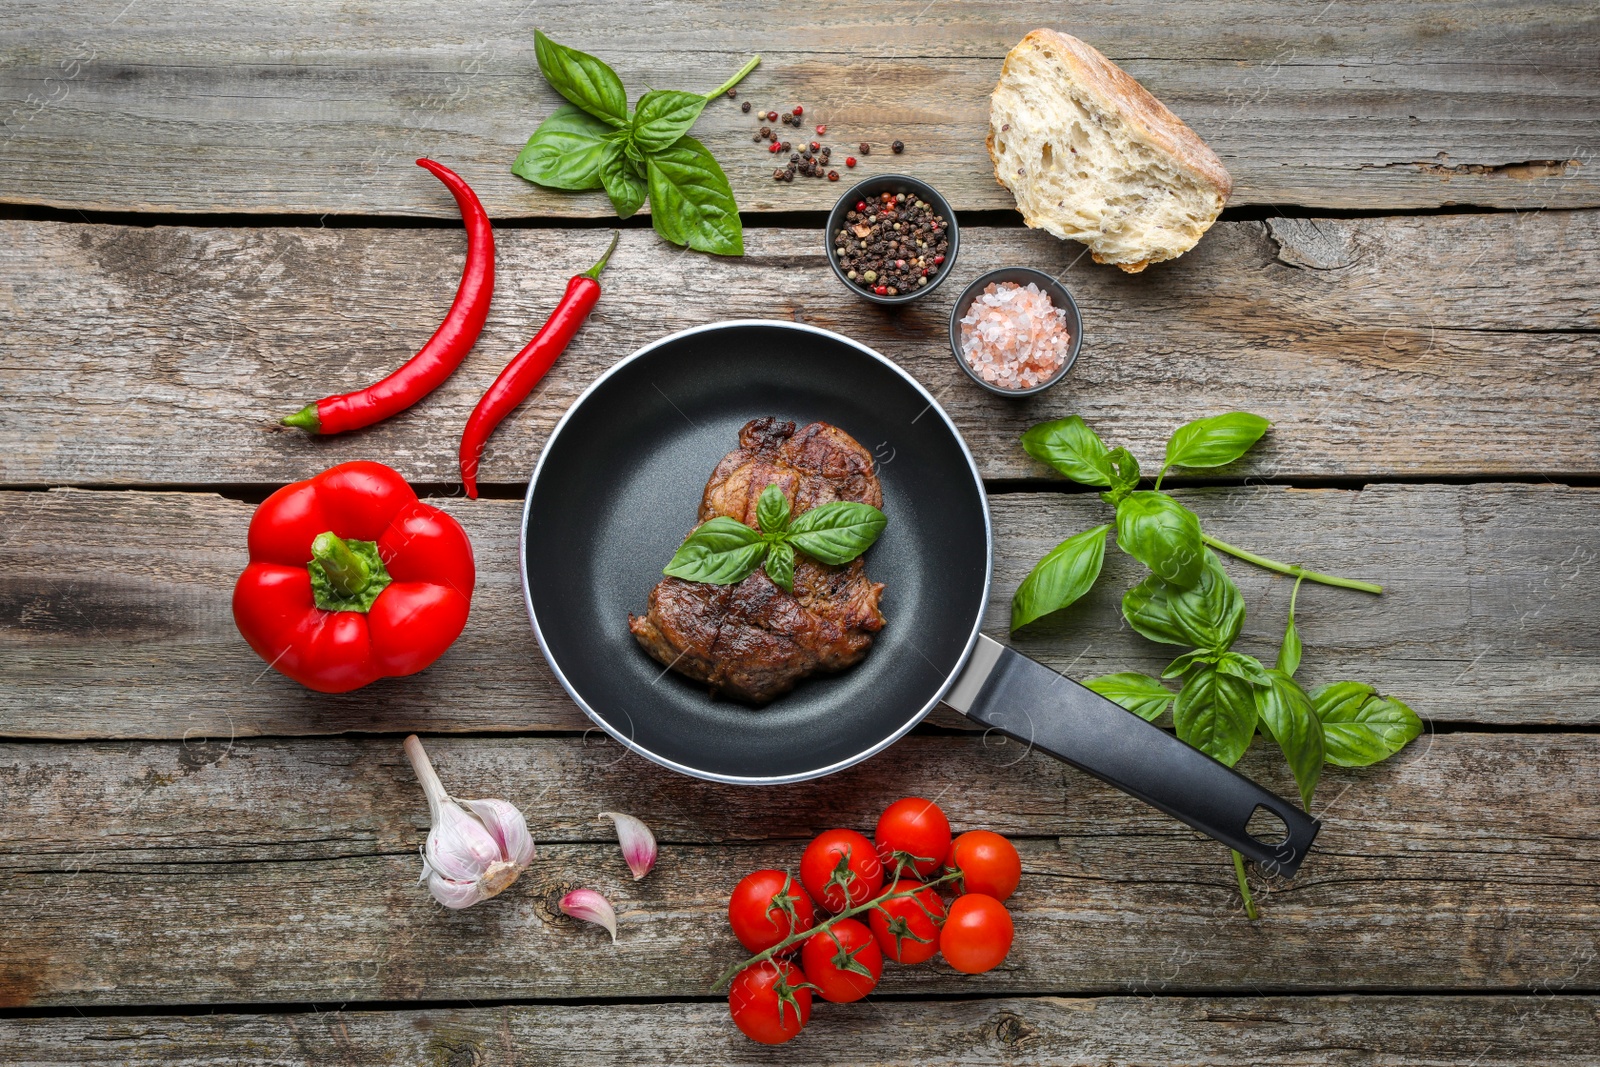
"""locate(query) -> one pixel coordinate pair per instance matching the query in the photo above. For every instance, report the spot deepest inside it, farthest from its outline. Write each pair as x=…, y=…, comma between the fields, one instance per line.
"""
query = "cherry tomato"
x=840, y=869
x=907, y=928
x=768, y=906
x=977, y=934
x=988, y=863
x=770, y=1002
x=843, y=961
x=913, y=831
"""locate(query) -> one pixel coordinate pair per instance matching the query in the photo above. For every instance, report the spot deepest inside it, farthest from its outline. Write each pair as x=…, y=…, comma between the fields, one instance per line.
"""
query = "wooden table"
x=211, y=217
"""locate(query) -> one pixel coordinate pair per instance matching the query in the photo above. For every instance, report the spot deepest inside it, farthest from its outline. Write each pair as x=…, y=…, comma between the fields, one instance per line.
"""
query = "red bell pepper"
x=352, y=579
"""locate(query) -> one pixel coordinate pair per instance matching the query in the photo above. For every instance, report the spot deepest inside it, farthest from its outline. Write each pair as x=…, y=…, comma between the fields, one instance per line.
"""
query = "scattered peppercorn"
x=897, y=147
x=766, y=131
x=865, y=149
x=891, y=244
x=849, y=161
x=772, y=116
x=777, y=174
x=745, y=107
x=833, y=175
x=732, y=93
x=798, y=110
x=815, y=147
x=822, y=129
x=773, y=147
x=787, y=146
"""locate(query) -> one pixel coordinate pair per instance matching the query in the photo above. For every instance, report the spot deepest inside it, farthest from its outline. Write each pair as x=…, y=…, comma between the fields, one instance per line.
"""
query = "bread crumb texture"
x=1090, y=155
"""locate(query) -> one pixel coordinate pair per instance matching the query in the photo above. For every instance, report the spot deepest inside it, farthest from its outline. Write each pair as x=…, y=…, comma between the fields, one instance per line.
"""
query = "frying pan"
x=618, y=486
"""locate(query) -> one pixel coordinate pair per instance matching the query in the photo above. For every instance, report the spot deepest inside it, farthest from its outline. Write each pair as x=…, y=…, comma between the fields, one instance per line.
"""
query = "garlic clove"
x=459, y=846
x=452, y=894
x=507, y=826
x=638, y=843
x=591, y=907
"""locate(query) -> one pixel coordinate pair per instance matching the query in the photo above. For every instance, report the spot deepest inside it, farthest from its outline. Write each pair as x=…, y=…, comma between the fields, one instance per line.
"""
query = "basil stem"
x=1291, y=569
x=1244, y=886
x=755, y=61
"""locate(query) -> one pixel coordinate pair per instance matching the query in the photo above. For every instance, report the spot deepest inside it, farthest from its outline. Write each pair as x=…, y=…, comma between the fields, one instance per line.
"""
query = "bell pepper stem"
x=347, y=572
x=305, y=419
x=594, y=271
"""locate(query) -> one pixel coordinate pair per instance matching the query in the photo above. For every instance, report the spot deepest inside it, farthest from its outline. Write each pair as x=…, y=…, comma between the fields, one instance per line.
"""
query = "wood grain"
x=302, y=108
x=1392, y=1031
x=278, y=871
x=115, y=620
x=1459, y=345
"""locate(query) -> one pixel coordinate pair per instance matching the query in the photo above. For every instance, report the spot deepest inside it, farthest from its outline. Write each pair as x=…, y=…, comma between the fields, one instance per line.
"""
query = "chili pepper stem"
x=305, y=419
x=827, y=924
x=736, y=79
x=594, y=271
x=1244, y=886
x=1291, y=569
x=346, y=571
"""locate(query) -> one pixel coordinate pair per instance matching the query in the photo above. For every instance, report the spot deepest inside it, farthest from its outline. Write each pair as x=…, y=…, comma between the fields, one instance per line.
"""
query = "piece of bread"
x=1090, y=155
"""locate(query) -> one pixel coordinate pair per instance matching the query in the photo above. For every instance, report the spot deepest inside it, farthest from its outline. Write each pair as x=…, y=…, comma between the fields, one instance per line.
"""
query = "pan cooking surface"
x=617, y=491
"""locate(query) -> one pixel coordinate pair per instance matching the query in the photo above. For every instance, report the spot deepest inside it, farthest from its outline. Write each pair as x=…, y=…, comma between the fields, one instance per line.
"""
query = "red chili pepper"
x=530, y=365
x=352, y=579
x=449, y=345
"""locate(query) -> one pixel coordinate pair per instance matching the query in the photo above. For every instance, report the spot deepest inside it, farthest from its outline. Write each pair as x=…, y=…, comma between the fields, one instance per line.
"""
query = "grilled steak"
x=753, y=640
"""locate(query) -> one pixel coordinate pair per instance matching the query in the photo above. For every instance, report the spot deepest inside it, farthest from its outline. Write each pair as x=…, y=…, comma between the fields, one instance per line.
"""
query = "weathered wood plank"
x=301, y=108
x=1441, y=345
x=284, y=871
x=1394, y=1031
x=115, y=620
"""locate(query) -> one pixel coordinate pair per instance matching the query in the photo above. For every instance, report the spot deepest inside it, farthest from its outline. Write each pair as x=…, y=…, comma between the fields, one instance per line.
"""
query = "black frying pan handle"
x=1028, y=701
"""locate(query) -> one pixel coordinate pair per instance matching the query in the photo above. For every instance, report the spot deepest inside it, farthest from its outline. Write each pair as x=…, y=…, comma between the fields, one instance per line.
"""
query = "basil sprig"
x=595, y=142
x=1188, y=600
x=723, y=551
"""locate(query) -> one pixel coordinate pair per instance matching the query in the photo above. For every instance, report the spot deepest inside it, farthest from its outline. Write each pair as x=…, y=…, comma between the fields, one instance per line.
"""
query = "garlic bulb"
x=638, y=843
x=476, y=848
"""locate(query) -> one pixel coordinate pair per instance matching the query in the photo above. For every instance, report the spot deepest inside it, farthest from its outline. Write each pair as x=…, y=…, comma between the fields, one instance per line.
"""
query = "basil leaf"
x=1141, y=694
x=1072, y=448
x=1216, y=713
x=1066, y=573
x=1244, y=667
x=1162, y=534
x=691, y=202
x=780, y=565
x=772, y=510
x=1360, y=727
x=1214, y=441
x=1289, y=652
x=1288, y=714
x=582, y=79
x=566, y=151
x=623, y=185
x=1181, y=666
x=837, y=532
x=720, y=552
x=1206, y=617
x=664, y=115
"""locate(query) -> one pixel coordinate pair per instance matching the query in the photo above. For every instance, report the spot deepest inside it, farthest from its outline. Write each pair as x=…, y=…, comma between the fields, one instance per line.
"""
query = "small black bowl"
x=893, y=183
x=1059, y=296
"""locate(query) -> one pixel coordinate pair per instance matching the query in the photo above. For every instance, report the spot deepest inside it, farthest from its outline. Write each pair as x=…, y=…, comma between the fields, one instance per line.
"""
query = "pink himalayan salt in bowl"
x=1016, y=331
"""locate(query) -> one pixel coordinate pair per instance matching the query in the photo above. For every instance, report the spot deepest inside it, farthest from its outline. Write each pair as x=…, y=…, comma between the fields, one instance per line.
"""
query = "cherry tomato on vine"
x=768, y=906
x=770, y=1002
x=914, y=831
x=843, y=961
x=907, y=928
x=977, y=933
x=840, y=869
x=988, y=863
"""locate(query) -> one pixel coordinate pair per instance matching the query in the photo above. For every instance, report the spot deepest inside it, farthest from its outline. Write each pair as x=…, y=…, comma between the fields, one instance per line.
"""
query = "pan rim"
x=696, y=772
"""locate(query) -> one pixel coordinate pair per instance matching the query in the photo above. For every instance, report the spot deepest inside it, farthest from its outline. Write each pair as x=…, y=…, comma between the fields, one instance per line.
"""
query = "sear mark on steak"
x=752, y=640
